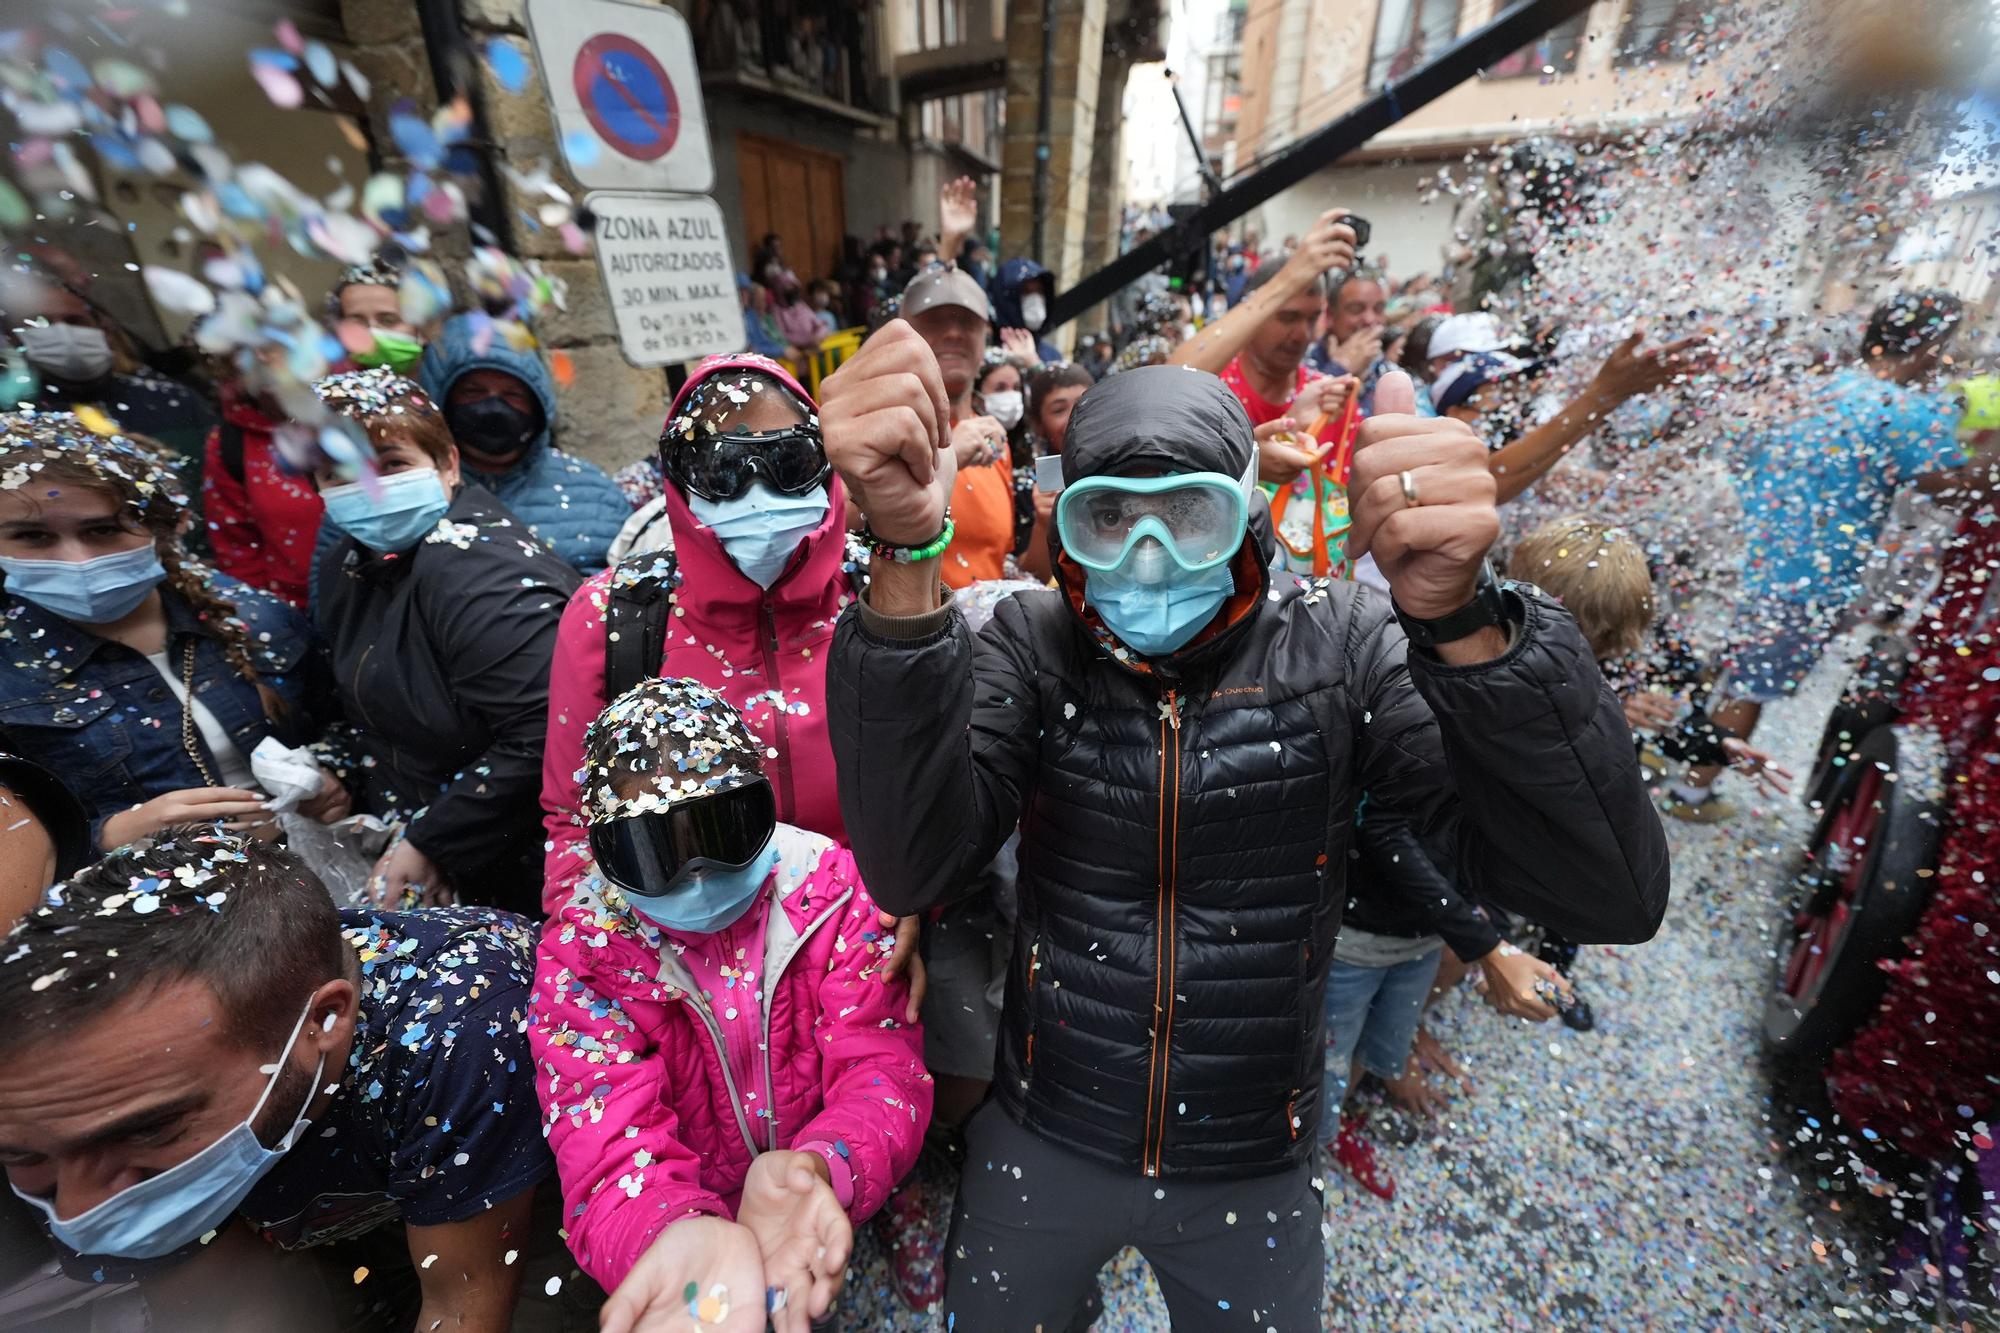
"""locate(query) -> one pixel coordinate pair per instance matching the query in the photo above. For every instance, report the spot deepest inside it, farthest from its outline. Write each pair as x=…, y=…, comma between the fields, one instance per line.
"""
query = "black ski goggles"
x=642, y=853
x=722, y=466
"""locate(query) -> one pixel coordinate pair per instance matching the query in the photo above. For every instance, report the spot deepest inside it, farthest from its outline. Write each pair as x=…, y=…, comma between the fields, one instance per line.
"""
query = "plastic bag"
x=342, y=854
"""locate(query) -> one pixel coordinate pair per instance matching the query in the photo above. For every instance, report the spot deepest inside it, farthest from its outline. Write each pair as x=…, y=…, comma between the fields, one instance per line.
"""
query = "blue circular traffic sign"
x=627, y=96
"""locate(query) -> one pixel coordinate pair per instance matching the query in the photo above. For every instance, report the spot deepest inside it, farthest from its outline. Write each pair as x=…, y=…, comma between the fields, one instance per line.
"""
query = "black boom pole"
x=1511, y=31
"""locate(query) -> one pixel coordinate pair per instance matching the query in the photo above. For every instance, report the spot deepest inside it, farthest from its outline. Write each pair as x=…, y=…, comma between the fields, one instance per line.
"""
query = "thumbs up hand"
x=1422, y=501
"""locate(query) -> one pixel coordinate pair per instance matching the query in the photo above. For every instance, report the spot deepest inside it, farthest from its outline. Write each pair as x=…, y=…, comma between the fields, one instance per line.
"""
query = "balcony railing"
x=814, y=49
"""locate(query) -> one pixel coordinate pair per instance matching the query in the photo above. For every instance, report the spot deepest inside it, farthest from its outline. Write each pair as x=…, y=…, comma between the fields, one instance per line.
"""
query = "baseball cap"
x=1461, y=335
x=1468, y=375
x=945, y=285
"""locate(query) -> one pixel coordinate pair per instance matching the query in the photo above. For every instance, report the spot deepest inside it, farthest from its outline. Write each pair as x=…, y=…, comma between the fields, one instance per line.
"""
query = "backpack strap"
x=229, y=447
x=635, y=619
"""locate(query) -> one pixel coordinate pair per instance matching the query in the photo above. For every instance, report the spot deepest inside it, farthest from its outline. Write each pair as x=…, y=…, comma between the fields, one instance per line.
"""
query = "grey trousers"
x=1034, y=1222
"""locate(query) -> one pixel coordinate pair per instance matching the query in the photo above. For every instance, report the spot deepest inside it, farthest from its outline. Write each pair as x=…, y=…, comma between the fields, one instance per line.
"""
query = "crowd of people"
x=486, y=893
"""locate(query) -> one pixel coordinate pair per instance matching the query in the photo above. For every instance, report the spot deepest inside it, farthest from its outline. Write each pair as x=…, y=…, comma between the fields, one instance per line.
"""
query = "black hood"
x=1172, y=418
x=1169, y=419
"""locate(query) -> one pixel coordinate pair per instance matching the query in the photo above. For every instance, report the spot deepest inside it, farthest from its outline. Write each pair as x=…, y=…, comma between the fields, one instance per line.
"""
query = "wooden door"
x=799, y=193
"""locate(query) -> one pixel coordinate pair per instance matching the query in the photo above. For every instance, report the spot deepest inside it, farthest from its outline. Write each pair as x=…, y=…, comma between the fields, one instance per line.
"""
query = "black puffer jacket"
x=1185, y=823
x=441, y=654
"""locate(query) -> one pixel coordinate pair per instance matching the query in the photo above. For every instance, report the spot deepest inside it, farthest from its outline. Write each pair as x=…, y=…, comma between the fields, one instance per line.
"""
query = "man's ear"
x=331, y=1020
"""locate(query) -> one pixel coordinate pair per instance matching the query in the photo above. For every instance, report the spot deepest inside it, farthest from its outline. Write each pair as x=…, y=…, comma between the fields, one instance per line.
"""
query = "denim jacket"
x=101, y=718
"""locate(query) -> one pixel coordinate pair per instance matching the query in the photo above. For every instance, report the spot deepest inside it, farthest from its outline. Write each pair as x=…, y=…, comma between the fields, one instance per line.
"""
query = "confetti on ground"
x=1636, y=1180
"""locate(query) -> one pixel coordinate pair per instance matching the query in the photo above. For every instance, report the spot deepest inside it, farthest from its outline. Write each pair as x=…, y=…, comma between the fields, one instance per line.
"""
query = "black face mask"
x=492, y=427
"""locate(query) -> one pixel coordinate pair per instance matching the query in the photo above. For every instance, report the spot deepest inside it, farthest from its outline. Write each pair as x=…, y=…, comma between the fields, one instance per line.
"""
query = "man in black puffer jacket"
x=1186, y=810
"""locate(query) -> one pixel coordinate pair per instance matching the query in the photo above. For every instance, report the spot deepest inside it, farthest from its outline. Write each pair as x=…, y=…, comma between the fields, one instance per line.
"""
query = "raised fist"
x=887, y=426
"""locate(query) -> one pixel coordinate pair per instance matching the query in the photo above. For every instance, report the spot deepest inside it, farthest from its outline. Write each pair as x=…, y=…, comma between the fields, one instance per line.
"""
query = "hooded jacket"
x=1006, y=294
x=441, y=655
x=1186, y=822
x=764, y=650
x=571, y=505
x=662, y=1081
x=263, y=520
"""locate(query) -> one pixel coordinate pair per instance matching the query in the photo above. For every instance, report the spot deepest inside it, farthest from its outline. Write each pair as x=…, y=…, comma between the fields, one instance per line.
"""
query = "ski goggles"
x=722, y=466
x=1200, y=517
x=642, y=853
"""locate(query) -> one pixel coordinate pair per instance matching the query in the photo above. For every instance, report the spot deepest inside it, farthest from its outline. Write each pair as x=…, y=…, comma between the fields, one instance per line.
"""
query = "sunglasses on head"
x=642, y=853
x=722, y=466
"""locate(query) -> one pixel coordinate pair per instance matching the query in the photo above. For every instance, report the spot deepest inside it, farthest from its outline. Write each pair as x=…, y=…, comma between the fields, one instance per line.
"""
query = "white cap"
x=1461, y=334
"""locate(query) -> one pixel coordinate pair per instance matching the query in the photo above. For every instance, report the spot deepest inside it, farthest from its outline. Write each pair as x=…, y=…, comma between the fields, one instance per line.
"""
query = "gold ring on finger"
x=1409, y=481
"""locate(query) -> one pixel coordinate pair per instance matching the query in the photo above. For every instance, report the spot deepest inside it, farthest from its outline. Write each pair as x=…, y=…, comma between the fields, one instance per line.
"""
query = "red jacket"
x=262, y=520
x=765, y=652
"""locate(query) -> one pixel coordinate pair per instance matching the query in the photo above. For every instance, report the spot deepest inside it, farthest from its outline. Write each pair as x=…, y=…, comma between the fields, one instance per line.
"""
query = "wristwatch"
x=1487, y=607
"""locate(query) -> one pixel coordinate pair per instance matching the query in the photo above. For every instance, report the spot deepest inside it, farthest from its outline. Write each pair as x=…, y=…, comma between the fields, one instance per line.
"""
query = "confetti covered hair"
x=1598, y=573
x=1047, y=379
x=376, y=272
x=1911, y=322
x=241, y=916
x=41, y=449
x=389, y=407
x=663, y=742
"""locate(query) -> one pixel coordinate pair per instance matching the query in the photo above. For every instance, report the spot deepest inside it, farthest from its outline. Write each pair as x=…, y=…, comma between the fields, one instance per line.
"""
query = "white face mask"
x=1034, y=310
x=1004, y=407
x=73, y=352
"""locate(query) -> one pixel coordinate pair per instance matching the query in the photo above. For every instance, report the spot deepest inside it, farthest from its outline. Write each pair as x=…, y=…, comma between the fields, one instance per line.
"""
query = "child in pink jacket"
x=727, y=1077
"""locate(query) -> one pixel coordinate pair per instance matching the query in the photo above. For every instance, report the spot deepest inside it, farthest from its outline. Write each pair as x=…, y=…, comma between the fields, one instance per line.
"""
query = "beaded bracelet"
x=909, y=555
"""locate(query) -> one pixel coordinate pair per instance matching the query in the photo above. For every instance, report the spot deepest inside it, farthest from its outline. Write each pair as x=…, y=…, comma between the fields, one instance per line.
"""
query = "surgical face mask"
x=90, y=592
x=1034, y=310
x=1152, y=604
x=73, y=352
x=162, y=1213
x=761, y=528
x=706, y=896
x=1005, y=407
x=407, y=507
x=492, y=427
x=393, y=351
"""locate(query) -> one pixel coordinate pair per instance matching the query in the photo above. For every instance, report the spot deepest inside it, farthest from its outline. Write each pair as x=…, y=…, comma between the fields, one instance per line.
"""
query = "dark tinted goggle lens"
x=721, y=467
x=643, y=852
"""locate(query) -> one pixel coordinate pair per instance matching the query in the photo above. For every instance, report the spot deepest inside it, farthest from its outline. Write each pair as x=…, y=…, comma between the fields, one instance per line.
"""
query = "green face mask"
x=393, y=351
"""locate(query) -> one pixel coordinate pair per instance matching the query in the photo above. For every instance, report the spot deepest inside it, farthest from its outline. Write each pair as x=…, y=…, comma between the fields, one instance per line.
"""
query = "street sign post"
x=622, y=83
x=667, y=271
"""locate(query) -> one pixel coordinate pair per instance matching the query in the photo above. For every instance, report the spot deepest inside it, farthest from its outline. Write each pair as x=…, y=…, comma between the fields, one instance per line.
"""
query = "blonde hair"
x=1597, y=572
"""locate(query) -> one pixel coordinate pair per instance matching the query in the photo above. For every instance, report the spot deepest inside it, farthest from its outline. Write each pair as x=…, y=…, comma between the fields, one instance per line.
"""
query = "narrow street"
x=1631, y=1177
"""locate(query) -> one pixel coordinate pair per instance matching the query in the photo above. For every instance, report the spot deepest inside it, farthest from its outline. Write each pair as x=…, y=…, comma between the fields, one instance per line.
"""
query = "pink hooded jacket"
x=655, y=1115
x=762, y=650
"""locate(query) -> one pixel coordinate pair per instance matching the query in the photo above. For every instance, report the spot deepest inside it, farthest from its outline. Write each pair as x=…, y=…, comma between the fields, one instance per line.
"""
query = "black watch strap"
x=1487, y=607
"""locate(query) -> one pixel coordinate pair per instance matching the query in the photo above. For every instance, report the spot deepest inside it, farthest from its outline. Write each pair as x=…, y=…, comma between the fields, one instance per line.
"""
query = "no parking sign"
x=622, y=82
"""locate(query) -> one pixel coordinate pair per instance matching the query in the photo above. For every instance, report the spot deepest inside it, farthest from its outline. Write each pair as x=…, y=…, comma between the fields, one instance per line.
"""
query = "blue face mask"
x=162, y=1213
x=704, y=896
x=408, y=506
x=1151, y=603
x=91, y=592
x=761, y=527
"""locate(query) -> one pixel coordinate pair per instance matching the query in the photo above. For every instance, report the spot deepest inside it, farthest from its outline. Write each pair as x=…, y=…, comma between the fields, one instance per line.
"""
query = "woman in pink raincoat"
x=747, y=597
x=727, y=1074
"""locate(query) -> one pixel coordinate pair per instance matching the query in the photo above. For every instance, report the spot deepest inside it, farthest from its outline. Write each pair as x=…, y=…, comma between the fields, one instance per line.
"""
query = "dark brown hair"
x=244, y=918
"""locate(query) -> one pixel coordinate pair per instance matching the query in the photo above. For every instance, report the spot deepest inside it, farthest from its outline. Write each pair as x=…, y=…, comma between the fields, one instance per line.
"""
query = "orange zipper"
x=1034, y=967
x=1291, y=1118
x=1154, y=1144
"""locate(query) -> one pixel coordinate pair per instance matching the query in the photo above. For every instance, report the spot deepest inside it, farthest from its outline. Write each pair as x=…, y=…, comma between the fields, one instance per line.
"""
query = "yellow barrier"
x=833, y=349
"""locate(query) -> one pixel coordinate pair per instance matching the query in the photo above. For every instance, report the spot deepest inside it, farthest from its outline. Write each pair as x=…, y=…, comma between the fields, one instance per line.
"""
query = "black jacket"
x=1186, y=823
x=441, y=654
x=1403, y=886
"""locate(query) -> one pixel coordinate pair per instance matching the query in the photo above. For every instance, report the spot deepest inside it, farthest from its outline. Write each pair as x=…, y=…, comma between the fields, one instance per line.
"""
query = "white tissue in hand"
x=287, y=775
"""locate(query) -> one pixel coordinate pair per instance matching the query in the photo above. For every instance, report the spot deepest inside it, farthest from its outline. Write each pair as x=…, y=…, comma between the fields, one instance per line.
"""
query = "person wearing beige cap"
x=949, y=311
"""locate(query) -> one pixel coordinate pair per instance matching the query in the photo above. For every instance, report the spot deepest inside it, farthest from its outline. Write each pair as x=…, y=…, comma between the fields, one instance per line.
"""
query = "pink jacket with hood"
x=762, y=650
x=662, y=1079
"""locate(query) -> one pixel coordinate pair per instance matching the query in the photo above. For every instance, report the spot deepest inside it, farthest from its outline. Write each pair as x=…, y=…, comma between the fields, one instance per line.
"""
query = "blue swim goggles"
x=1199, y=517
